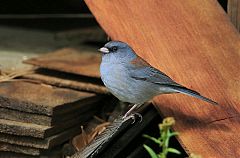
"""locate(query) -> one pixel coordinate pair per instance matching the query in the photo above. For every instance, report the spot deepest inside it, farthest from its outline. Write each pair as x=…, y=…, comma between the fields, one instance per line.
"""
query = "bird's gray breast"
x=117, y=78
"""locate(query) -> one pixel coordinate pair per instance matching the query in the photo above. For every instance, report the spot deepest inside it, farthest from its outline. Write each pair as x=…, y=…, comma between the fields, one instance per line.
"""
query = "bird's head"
x=117, y=50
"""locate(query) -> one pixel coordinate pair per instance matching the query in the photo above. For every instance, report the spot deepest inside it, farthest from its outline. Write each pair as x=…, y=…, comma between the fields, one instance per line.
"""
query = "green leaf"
x=167, y=141
x=167, y=138
x=168, y=133
x=150, y=151
x=172, y=150
x=152, y=138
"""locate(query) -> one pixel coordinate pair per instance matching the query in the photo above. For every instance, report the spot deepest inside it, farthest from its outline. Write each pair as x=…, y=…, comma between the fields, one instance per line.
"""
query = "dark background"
x=54, y=15
x=53, y=7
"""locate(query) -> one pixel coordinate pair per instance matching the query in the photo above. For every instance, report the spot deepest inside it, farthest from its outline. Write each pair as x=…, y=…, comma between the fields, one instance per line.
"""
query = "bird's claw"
x=140, y=116
x=133, y=117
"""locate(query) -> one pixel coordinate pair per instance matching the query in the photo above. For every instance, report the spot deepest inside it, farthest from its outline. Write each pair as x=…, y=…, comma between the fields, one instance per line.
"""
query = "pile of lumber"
x=70, y=68
x=42, y=111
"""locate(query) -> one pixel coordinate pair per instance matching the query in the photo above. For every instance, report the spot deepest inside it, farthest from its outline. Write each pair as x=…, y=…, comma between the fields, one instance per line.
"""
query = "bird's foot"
x=139, y=116
x=133, y=117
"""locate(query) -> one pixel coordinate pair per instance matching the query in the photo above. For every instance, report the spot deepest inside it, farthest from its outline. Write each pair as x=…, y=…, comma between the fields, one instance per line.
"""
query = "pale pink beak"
x=104, y=50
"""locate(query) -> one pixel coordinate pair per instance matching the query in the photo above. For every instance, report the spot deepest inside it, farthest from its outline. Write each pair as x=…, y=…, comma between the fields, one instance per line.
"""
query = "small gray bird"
x=131, y=79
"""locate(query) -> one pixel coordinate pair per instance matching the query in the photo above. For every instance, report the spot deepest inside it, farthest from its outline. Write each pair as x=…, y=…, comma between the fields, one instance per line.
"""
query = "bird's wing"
x=141, y=70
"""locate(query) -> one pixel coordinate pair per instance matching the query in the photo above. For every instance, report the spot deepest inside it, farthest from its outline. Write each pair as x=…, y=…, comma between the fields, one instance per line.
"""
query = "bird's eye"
x=114, y=48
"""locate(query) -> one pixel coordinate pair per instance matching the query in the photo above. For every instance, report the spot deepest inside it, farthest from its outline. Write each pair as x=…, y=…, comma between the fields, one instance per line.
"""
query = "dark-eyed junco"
x=131, y=79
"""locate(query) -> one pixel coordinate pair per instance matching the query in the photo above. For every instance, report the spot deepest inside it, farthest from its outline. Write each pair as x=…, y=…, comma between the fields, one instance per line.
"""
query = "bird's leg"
x=128, y=113
x=131, y=110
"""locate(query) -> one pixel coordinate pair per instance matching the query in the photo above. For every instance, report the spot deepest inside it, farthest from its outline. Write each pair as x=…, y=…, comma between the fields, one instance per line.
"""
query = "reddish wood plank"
x=195, y=43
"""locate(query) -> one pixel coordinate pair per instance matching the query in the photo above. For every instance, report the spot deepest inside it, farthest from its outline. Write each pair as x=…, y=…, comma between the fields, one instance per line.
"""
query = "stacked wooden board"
x=36, y=117
x=70, y=68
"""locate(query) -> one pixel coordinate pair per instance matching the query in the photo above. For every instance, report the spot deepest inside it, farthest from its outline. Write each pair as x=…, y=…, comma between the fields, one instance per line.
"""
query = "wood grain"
x=43, y=99
x=69, y=60
x=67, y=80
x=46, y=143
x=194, y=43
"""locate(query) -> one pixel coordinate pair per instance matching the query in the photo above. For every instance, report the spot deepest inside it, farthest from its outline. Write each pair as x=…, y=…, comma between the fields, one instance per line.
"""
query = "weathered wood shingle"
x=42, y=99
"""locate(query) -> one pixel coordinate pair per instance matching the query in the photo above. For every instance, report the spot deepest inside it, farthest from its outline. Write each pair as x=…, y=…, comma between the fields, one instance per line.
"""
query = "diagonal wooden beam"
x=195, y=43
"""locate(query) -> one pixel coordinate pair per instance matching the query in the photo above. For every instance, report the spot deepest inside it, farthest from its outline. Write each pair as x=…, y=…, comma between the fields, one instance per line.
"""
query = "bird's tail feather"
x=192, y=93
